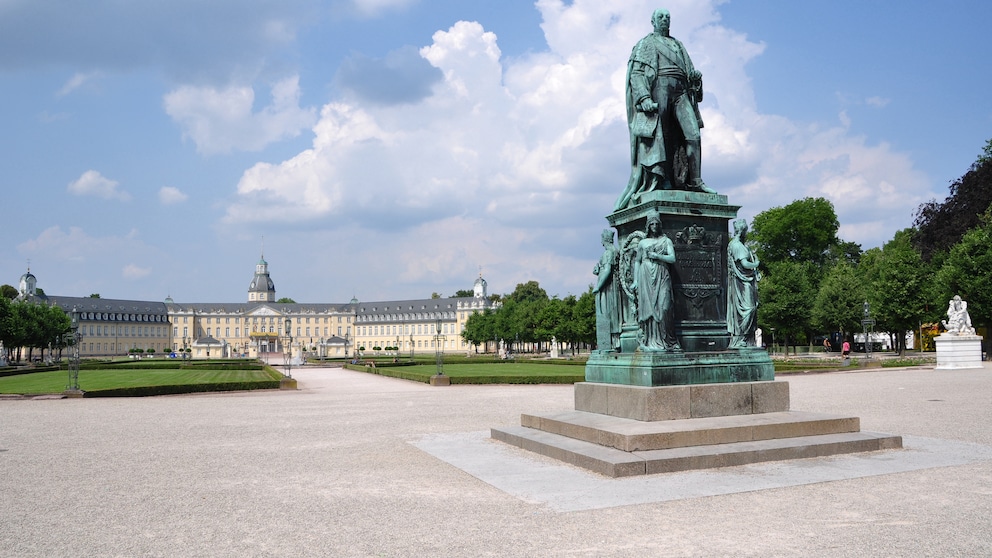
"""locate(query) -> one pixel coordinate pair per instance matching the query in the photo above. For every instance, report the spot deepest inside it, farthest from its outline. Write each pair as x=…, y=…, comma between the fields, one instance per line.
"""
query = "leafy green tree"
x=286, y=300
x=940, y=225
x=803, y=231
x=95, y=295
x=786, y=295
x=966, y=272
x=551, y=319
x=898, y=292
x=582, y=326
x=6, y=326
x=839, y=301
x=464, y=293
x=435, y=295
x=480, y=328
x=8, y=292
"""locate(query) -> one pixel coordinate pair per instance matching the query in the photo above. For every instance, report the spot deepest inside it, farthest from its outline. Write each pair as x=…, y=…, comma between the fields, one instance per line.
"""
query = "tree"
x=786, y=295
x=8, y=292
x=803, y=231
x=940, y=225
x=286, y=300
x=840, y=300
x=464, y=293
x=966, y=271
x=898, y=279
x=435, y=295
x=95, y=295
x=480, y=328
x=582, y=326
x=530, y=291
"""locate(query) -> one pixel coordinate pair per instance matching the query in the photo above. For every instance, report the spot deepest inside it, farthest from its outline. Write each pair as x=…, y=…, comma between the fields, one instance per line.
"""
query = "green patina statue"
x=653, y=288
x=663, y=92
x=742, y=289
x=608, y=312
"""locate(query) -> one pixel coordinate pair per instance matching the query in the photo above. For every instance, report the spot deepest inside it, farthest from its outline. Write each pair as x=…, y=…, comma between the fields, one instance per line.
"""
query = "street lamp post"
x=289, y=346
x=439, y=379
x=75, y=336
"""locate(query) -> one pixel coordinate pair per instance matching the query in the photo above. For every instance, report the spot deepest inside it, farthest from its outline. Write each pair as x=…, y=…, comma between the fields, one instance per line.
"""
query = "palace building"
x=257, y=328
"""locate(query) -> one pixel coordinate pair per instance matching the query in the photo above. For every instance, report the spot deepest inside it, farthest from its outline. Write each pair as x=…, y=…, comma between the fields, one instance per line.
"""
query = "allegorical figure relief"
x=608, y=318
x=958, y=321
x=742, y=289
x=663, y=92
x=653, y=287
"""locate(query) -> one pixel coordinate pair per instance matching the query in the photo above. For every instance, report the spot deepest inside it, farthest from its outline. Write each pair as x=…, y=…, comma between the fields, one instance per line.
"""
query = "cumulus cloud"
x=168, y=195
x=223, y=120
x=75, y=82
x=519, y=160
x=132, y=271
x=92, y=183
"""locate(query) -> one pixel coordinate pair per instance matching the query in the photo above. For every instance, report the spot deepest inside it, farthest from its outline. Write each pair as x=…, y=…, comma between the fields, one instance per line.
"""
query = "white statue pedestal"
x=958, y=351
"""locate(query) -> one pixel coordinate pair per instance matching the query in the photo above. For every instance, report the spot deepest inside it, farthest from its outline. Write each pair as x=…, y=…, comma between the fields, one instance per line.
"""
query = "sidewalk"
x=363, y=465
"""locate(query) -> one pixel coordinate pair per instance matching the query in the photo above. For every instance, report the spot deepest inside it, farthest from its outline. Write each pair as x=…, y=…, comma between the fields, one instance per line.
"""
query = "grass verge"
x=135, y=382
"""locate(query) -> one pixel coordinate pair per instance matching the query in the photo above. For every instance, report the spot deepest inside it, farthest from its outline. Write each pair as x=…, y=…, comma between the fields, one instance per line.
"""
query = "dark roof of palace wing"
x=107, y=305
x=418, y=306
x=248, y=307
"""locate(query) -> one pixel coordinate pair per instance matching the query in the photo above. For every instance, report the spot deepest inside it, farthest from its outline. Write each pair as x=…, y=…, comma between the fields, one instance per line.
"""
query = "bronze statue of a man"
x=663, y=92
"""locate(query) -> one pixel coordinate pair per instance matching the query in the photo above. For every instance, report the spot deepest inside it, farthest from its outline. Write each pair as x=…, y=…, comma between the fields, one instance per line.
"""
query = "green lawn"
x=103, y=379
x=487, y=373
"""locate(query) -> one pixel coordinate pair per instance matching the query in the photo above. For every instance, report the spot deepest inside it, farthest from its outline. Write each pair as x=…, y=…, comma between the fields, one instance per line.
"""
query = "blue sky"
x=388, y=149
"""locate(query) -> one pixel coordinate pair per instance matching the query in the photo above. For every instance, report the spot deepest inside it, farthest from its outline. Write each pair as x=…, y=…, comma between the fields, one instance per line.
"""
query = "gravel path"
x=335, y=469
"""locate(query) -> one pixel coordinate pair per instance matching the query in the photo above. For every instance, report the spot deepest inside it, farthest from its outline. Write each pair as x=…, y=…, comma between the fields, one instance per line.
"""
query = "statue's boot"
x=694, y=153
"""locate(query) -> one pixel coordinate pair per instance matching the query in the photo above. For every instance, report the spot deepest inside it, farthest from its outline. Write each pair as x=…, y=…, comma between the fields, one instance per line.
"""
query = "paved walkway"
x=361, y=465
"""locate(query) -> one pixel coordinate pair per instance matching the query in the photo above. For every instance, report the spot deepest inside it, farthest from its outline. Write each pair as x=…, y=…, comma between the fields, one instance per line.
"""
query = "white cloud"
x=132, y=271
x=168, y=195
x=878, y=102
x=92, y=183
x=75, y=82
x=518, y=161
x=223, y=120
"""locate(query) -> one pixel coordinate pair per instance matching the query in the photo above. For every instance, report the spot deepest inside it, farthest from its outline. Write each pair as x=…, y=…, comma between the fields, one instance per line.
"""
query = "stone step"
x=616, y=463
x=630, y=435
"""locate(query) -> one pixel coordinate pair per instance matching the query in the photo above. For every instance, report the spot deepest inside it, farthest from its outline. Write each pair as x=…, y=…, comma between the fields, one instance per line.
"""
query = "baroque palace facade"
x=256, y=328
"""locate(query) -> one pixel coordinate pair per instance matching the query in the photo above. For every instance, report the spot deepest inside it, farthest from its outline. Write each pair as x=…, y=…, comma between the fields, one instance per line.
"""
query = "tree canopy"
x=803, y=231
x=941, y=225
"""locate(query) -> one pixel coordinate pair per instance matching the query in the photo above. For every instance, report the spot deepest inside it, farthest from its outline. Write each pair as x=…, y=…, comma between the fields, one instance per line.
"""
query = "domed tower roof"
x=28, y=285
x=479, y=290
x=261, y=288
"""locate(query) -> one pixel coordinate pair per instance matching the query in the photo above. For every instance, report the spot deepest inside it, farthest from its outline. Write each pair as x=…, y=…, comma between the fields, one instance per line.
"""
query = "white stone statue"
x=958, y=321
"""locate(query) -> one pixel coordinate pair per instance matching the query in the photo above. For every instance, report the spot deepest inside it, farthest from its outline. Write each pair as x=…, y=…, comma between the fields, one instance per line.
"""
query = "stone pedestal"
x=288, y=383
x=958, y=351
x=620, y=431
x=440, y=380
x=645, y=368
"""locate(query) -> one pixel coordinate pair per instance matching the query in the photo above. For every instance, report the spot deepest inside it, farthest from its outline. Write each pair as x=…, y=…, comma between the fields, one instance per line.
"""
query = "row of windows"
x=421, y=344
x=405, y=329
x=114, y=317
x=108, y=348
x=407, y=317
x=125, y=331
x=300, y=331
x=262, y=319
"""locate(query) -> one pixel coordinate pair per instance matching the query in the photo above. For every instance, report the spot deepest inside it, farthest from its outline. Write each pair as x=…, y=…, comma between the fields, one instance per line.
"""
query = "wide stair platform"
x=623, y=447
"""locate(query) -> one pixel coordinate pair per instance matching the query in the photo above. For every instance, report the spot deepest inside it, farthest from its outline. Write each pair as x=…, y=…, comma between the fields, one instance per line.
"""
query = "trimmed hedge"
x=147, y=391
x=425, y=377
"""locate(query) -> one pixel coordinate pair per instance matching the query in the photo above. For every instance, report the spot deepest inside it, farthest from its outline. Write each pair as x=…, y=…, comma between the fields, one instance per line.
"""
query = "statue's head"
x=740, y=227
x=661, y=20
x=607, y=236
x=654, y=218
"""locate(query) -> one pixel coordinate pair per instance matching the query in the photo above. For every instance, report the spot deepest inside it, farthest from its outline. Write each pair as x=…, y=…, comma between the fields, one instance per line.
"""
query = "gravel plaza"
x=354, y=464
